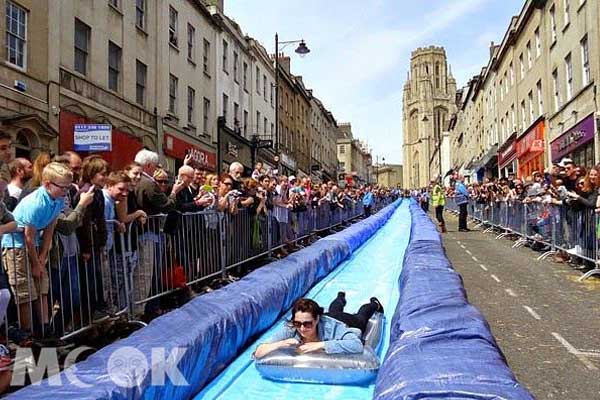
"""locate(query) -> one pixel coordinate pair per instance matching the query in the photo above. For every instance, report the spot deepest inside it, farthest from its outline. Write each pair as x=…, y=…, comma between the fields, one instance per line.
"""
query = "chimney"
x=284, y=62
x=216, y=3
x=492, y=46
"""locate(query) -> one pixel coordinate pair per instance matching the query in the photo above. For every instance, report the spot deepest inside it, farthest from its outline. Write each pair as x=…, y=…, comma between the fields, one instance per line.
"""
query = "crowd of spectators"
x=61, y=219
x=565, y=195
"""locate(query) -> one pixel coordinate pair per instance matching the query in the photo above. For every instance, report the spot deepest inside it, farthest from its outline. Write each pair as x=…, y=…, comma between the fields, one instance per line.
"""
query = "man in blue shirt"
x=25, y=253
x=461, y=197
x=368, y=201
x=310, y=330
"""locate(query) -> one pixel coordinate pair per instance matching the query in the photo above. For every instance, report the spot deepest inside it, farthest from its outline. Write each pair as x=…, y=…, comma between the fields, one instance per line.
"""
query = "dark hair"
x=307, y=305
x=92, y=165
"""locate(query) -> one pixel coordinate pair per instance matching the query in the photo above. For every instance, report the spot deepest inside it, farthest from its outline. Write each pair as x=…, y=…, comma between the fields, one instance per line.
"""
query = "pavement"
x=544, y=320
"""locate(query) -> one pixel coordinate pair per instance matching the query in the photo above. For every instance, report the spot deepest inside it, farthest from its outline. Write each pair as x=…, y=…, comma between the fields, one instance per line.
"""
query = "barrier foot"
x=519, y=243
x=502, y=235
x=595, y=271
x=488, y=230
x=547, y=254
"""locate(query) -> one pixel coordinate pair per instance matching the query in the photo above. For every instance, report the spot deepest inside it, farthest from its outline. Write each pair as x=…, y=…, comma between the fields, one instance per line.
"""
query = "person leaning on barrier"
x=36, y=212
x=64, y=266
x=190, y=199
x=312, y=330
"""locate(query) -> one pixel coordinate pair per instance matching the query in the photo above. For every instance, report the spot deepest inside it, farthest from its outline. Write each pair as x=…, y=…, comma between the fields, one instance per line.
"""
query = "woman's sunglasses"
x=305, y=324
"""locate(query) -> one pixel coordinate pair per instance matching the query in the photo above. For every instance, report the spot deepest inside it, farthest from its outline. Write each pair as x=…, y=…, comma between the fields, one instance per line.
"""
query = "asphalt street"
x=544, y=320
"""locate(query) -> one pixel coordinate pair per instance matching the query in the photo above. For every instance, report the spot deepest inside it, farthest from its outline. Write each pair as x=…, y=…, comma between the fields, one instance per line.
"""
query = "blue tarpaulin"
x=440, y=347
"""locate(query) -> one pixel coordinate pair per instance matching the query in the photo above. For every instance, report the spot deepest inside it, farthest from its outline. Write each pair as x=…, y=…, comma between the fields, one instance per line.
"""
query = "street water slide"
x=372, y=270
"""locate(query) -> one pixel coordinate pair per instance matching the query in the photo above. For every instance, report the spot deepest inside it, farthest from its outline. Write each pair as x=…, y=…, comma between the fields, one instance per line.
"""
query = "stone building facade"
x=536, y=99
x=429, y=101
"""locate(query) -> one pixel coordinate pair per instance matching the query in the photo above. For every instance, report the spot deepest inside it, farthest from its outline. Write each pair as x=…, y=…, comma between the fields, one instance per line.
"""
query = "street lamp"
x=378, y=166
x=302, y=50
x=439, y=149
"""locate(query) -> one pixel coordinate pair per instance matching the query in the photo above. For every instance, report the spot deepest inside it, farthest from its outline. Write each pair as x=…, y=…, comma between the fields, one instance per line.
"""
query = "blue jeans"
x=65, y=289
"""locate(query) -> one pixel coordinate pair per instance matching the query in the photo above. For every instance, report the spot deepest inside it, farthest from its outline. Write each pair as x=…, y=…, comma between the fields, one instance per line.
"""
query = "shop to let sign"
x=92, y=137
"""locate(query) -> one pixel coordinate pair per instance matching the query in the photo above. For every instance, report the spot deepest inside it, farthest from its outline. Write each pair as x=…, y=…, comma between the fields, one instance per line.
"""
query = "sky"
x=360, y=51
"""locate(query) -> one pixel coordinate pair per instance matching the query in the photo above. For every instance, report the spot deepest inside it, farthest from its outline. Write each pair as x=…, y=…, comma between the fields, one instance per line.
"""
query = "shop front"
x=124, y=146
x=176, y=149
x=530, y=150
x=234, y=147
x=577, y=143
x=507, y=157
x=288, y=164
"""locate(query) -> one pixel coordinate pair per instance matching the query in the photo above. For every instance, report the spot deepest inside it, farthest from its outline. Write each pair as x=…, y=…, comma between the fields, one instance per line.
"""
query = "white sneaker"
x=575, y=251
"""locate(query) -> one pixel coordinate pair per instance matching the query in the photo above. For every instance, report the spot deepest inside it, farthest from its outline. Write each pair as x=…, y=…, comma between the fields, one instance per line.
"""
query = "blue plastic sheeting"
x=373, y=270
x=441, y=347
x=211, y=329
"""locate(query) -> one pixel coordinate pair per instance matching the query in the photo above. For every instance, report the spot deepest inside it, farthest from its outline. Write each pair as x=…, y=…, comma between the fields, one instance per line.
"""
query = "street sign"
x=92, y=137
x=261, y=144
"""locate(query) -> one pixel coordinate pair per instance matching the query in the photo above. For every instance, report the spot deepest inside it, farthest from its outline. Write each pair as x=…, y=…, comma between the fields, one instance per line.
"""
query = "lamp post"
x=302, y=49
x=438, y=148
x=414, y=166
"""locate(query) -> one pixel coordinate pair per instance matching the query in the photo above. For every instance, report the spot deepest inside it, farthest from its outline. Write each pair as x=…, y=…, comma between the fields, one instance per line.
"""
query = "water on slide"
x=372, y=270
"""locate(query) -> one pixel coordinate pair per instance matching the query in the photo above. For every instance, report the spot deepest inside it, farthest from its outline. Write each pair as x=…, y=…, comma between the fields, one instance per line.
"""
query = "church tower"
x=428, y=102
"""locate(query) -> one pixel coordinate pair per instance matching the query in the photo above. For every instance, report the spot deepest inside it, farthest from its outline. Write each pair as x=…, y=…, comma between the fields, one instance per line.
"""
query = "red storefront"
x=124, y=145
x=177, y=149
x=530, y=150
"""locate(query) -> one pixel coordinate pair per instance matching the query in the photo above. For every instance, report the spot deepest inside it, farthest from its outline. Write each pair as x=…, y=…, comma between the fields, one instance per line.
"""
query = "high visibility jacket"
x=437, y=195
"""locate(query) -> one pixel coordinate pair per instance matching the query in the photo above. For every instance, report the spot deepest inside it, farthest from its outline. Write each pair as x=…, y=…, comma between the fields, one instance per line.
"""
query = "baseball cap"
x=563, y=163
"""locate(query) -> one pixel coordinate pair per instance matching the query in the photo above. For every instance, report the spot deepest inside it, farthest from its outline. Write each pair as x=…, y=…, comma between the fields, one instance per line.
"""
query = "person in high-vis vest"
x=439, y=201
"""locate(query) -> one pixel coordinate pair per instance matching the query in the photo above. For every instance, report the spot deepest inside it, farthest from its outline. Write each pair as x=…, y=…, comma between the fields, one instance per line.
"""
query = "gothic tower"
x=428, y=102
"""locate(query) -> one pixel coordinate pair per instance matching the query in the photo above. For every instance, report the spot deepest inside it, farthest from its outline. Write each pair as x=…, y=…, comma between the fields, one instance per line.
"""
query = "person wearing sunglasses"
x=312, y=330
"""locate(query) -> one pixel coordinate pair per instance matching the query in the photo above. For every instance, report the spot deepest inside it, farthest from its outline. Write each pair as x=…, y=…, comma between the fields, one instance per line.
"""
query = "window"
x=501, y=91
x=236, y=114
x=172, y=93
x=530, y=100
x=512, y=74
x=235, y=66
x=567, y=15
x=342, y=149
x=556, y=89
x=569, y=76
x=245, y=122
x=272, y=129
x=529, y=58
x=265, y=87
x=538, y=43
x=191, y=106
x=206, y=57
x=540, y=97
x=523, y=115
x=114, y=3
x=245, y=76
x=257, y=122
x=265, y=124
x=16, y=35
x=257, y=80
x=585, y=61
x=82, y=45
x=114, y=66
x=225, y=106
x=272, y=94
x=552, y=24
x=140, y=82
x=140, y=13
x=225, y=51
x=191, y=42
x=172, y=26
x=522, y=66
x=205, y=118
x=513, y=118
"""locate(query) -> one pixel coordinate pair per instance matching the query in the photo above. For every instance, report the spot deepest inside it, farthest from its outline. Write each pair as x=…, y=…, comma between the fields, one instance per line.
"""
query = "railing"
x=552, y=228
x=143, y=263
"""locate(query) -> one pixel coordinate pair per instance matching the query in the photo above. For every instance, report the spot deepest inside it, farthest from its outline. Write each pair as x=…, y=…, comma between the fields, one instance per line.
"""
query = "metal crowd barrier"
x=553, y=228
x=142, y=263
